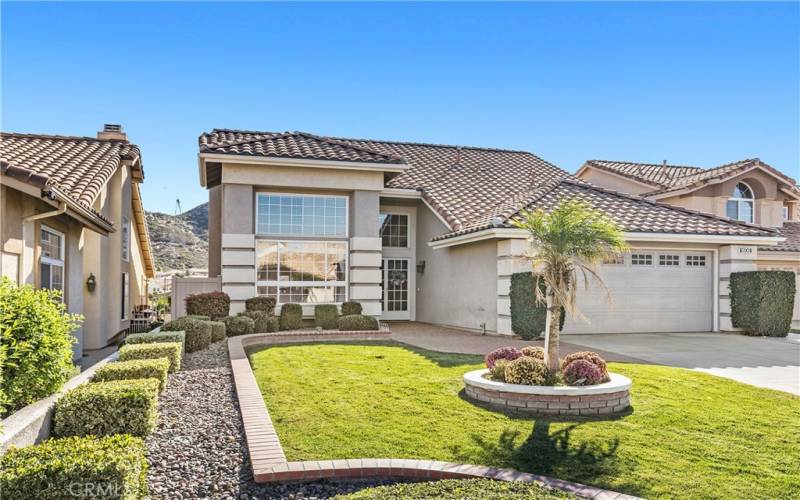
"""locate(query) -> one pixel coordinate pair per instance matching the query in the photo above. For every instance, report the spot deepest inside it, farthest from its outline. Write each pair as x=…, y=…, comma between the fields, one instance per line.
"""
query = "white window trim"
x=408, y=226
x=739, y=202
x=125, y=235
x=785, y=211
x=60, y=262
x=126, y=298
x=310, y=236
x=280, y=284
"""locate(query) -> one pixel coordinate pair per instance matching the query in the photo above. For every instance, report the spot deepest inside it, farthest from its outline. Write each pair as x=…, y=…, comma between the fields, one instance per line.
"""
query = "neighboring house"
x=421, y=232
x=746, y=190
x=71, y=209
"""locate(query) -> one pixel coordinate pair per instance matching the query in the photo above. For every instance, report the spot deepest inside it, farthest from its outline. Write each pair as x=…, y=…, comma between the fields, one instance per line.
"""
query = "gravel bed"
x=198, y=449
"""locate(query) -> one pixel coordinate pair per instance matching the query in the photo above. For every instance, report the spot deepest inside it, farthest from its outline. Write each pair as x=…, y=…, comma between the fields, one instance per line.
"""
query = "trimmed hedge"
x=156, y=337
x=762, y=302
x=351, y=307
x=198, y=316
x=528, y=317
x=291, y=317
x=198, y=332
x=76, y=467
x=105, y=408
x=458, y=489
x=36, y=337
x=356, y=322
x=217, y=331
x=239, y=325
x=169, y=350
x=134, y=369
x=211, y=304
x=266, y=304
x=326, y=316
x=263, y=322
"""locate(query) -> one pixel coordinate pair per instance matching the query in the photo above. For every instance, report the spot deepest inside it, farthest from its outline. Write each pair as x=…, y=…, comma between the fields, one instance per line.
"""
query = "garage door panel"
x=648, y=299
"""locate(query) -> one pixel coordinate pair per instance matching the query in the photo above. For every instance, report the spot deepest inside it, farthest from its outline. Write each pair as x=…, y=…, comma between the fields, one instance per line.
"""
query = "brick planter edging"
x=269, y=462
x=590, y=401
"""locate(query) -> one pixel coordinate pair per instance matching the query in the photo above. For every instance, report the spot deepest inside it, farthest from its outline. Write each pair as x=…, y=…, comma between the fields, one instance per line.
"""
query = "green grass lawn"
x=690, y=435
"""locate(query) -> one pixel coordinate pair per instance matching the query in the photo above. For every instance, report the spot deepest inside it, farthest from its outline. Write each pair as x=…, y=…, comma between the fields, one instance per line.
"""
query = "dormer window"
x=740, y=204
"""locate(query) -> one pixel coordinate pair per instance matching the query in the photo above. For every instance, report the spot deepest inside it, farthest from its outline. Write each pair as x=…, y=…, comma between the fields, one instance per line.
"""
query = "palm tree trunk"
x=553, y=325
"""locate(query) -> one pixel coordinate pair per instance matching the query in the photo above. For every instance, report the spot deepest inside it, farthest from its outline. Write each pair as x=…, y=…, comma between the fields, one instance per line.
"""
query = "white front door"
x=395, y=289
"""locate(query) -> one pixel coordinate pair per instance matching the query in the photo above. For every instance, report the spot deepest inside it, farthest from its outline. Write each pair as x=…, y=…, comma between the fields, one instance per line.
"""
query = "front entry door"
x=395, y=289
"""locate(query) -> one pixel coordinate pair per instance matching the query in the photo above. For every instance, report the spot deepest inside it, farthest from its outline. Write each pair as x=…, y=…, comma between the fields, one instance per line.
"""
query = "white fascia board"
x=295, y=162
x=721, y=239
x=201, y=168
x=412, y=194
x=499, y=233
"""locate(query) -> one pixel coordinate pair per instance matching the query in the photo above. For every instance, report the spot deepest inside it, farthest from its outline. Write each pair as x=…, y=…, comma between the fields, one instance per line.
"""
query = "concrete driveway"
x=773, y=363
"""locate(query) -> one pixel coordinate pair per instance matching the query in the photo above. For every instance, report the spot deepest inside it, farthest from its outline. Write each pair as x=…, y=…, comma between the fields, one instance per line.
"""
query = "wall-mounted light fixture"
x=421, y=267
x=91, y=282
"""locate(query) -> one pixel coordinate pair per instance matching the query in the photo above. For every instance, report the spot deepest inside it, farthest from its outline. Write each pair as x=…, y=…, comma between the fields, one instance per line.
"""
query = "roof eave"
x=82, y=213
x=299, y=162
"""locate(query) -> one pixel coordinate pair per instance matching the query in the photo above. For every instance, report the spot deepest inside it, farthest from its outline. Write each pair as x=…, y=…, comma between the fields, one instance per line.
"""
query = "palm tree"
x=567, y=243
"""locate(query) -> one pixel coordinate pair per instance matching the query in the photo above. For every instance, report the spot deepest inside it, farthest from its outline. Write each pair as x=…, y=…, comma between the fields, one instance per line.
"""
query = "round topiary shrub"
x=533, y=352
x=239, y=325
x=263, y=321
x=498, y=371
x=291, y=317
x=217, y=330
x=526, y=370
x=351, y=307
x=198, y=332
x=266, y=304
x=357, y=322
x=582, y=372
x=507, y=353
x=591, y=357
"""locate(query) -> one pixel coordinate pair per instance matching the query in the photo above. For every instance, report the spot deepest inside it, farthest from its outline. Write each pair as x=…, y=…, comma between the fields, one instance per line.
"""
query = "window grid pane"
x=669, y=260
x=394, y=230
x=641, y=259
x=311, y=272
x=301, y=215
x=696, y=260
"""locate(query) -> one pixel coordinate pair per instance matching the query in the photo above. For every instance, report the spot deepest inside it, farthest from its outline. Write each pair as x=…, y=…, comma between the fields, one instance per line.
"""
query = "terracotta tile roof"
x=288, y=145
x=76, y=166
x=655, y=174
x=790, y=231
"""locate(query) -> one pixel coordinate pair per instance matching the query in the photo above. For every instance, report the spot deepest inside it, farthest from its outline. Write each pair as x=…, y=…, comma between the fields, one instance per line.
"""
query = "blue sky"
x=693, y=83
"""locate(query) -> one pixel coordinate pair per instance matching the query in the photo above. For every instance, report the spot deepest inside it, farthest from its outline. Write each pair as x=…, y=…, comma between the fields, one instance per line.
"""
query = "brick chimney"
x=113, y=132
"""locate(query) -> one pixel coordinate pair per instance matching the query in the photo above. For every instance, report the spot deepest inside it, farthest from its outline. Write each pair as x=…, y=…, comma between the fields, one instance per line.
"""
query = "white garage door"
x=651, y=291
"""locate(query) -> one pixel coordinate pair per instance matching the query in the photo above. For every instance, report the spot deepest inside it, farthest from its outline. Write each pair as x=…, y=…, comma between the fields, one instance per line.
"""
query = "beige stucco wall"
x=214, y=231
x=459, y=285
x=615, y=182
x=301, y=177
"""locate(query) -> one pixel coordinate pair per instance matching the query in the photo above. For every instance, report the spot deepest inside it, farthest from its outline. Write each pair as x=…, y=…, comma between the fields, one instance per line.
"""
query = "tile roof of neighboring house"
x=790, y=231
x=76, y=166
x=668, y=178
x=631, y=213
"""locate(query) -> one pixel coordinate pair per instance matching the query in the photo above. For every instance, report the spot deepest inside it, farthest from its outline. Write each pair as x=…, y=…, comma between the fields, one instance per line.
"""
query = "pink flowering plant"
x=582, y=372
x=507, y=353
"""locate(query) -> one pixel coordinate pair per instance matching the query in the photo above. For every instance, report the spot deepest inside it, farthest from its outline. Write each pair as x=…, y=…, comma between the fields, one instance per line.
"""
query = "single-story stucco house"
x=421, y=232
x=71, y=218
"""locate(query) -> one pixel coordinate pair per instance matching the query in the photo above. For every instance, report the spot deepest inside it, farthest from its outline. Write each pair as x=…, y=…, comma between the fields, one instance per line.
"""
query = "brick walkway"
x=443, y=339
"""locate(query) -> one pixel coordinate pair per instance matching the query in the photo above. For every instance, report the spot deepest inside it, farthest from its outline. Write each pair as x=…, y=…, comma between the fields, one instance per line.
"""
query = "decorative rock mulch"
x=198, y=449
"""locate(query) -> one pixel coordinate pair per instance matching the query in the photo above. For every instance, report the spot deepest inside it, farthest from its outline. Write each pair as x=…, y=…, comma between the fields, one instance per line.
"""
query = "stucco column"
x=510, y=260
x=365, y=251
x=732, y=258
x=238, y=262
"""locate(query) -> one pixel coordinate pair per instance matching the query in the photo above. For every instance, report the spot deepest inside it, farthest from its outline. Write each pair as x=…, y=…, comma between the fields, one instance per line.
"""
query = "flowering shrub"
x=533, y=352
x=498, y=371
x=527, y=371
x=582, y=372
x=591, y=357
x=507, y=353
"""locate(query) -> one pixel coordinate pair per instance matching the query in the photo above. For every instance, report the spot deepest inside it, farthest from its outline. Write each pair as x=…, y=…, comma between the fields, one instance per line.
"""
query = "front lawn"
x=690, y=435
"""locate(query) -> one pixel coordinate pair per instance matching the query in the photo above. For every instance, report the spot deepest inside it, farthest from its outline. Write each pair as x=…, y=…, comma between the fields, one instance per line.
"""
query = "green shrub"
x=155, y=337
x=35, y=335
x=93, y=467
x=239, y=325
x=217, y=331
x=526, y=370
x=528, y=317
x=198, y=316
x=291, y=317
x=265, y=304
x=134, y=369
x=263, y=321
x=461, y=489
x=198, y=332
x=762, y=302
x=326, y=316
x=356, y=322
x=169, y=350
x=105, y=408
x=351, y=307
x=498, y=370
x=211, y=304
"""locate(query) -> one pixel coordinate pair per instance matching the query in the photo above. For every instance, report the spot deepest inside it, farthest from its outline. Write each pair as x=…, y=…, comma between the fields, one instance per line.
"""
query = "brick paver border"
x=269, y=462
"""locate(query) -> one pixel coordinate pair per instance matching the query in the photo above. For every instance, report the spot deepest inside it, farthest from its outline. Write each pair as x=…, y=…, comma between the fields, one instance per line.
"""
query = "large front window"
x=301, y=215
x=51, y=260
x=740, y=204
x=311, y=272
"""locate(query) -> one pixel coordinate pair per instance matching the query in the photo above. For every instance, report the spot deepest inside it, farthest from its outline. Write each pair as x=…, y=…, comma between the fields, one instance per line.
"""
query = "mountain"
x=180, y=242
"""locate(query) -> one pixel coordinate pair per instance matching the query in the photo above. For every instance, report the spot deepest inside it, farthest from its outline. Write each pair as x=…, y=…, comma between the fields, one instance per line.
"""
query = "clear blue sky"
x=693, y=83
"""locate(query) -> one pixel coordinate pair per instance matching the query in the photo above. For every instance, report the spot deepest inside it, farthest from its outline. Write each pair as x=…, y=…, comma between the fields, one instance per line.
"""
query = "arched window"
x=740, y=204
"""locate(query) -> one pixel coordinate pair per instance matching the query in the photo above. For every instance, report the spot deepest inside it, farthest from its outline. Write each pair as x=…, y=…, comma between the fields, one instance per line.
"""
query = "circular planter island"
x=591, y=400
